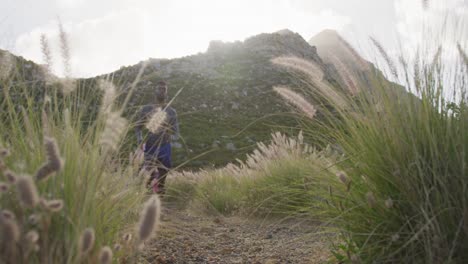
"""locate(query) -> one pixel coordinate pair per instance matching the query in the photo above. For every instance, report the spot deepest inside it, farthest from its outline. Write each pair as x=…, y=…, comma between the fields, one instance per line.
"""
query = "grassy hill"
x=225, y=99
x=226, y=102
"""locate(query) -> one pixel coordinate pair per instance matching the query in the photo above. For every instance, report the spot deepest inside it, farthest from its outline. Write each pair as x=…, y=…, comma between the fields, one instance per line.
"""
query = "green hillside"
x=226, y=102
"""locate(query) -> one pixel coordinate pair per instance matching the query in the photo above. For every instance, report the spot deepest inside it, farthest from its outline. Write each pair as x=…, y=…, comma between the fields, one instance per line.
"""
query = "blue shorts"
x=161, y=154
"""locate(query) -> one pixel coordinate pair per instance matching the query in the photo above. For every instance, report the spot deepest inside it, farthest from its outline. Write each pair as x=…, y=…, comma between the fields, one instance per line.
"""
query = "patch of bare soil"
x=186, y=237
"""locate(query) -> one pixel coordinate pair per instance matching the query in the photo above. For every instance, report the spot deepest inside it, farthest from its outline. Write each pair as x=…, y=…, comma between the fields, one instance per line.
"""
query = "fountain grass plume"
x=54, y=162
x=7, y=214
x=86, y=241
x=297, y=100
x=4, y=187
x=10, y=230
x=105, y=255
x=156, y=121
x=149, y=218
x=32, y=236
x=315, y=77
x=27, y=191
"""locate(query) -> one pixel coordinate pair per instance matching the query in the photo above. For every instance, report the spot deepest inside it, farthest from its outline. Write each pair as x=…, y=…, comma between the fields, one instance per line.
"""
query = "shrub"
x=65, y=195
x=401, y=196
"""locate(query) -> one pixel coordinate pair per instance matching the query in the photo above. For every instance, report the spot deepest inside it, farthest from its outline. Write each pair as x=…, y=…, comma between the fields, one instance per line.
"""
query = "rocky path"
x=186, y=237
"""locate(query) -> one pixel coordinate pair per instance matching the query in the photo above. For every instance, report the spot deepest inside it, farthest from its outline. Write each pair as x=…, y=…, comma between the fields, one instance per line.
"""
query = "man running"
x=157, y=146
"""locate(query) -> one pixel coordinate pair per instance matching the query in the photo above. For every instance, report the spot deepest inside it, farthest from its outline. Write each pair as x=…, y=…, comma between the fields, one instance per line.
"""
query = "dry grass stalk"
x=388, y=60
x=297, y=100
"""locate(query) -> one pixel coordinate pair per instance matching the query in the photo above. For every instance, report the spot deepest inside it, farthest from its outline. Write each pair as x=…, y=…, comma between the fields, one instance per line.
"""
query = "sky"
x=107, y=34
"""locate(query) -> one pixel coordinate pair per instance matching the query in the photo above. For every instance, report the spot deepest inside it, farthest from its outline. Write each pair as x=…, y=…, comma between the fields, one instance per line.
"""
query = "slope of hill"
x=226, y=103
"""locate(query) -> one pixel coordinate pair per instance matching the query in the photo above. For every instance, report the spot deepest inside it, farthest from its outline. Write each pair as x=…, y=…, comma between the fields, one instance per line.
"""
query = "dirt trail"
x=186, y=237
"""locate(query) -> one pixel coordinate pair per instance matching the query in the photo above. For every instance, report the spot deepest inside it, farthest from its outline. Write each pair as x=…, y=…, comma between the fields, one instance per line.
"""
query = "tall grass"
x=277, y=179
x=402, y=194
x=86, y=200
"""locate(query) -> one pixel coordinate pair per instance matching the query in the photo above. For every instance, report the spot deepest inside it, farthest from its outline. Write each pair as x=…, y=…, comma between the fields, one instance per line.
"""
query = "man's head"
x=161, y=92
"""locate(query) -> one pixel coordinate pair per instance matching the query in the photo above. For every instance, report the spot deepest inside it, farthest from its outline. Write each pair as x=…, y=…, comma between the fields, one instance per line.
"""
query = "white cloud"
x=126, y=31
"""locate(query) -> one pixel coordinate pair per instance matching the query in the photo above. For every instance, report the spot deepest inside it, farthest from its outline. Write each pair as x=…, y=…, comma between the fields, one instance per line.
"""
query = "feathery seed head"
x=27, y=191
x=7, y=64
x=355, y=259
x=7, y=214
x=32, y=236
x=54, y=162
x=388, y=60
x=156, y=121
x=4, y=153
x=3, y=187
x=109, y=95
x=46, y=53
x=113, y=131
x=370, y=199
x=149, y=219
x=34, y=219
x=105, y=255
x=343, y=177
x=9, y=230
x=86, y=242
x=389, y=203
x=117, y=247
x=54, y=205
x=127, y=237
x=297, y=100
x=10, y=176
x=315, y=76
x=68, y=85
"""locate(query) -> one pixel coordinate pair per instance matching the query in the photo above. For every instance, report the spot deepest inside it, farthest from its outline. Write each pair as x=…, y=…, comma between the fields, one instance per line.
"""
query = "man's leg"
x=164, y=157
x=150, y=164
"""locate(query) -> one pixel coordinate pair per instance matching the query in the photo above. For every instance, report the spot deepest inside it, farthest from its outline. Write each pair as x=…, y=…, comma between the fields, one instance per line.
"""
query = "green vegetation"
x=396, y=193
x=60, y=175
x=277, y=179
